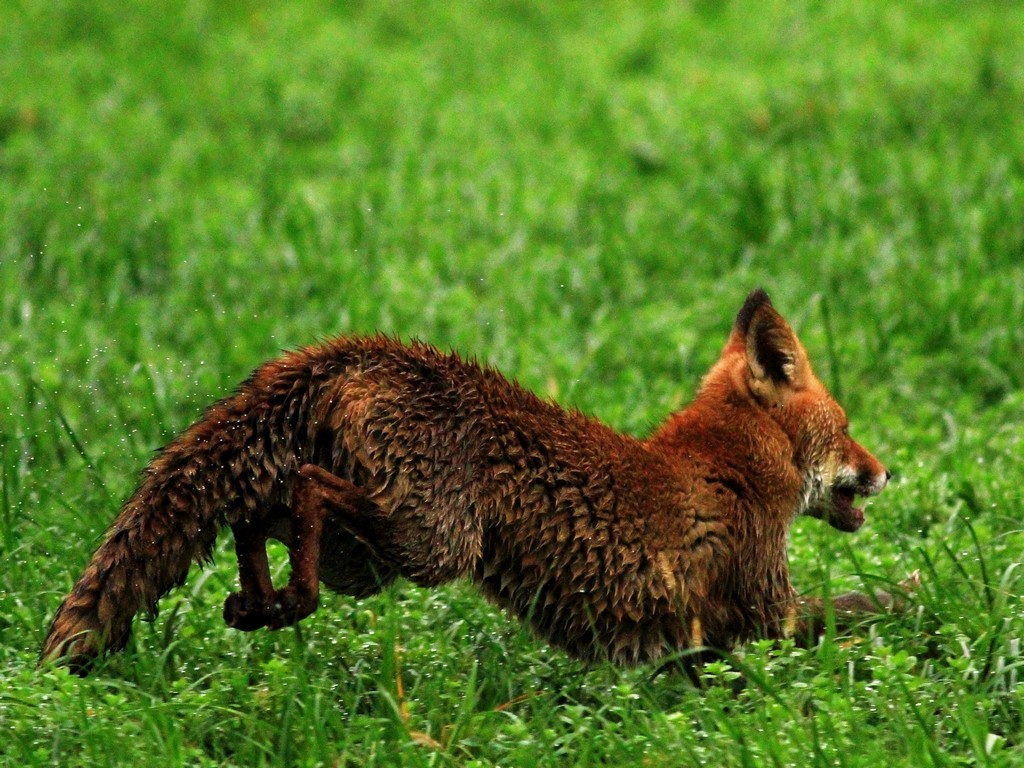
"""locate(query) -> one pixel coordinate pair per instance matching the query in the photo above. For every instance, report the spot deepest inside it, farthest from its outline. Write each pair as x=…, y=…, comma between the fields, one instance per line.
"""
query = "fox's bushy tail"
x=235, y=461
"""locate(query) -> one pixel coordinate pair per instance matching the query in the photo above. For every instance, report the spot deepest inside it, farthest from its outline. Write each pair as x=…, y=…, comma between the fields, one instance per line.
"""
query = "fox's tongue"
x=845, y=516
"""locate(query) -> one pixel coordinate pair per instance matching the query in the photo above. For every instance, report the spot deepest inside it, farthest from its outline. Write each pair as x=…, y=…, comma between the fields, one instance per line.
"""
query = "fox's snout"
x=864, y=476
x=869, y=474
x=865, y=482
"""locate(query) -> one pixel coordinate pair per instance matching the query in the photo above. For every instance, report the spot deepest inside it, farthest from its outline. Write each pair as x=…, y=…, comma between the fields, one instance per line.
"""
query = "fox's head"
x=777, y=374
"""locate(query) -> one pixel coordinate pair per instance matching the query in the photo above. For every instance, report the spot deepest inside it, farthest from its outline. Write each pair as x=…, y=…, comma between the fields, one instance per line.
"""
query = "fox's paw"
x=912, y=583
x=901, y=598
x=290, y=606
x=286, y=607
x=243, y=613
x=908, y=589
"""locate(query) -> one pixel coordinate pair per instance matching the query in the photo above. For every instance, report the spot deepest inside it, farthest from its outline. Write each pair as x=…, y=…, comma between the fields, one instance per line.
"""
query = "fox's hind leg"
x=428, y=543
x=249, y=608
x=315, y=496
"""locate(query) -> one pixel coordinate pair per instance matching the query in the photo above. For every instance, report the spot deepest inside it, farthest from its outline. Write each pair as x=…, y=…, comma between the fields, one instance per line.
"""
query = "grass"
x=581, y=195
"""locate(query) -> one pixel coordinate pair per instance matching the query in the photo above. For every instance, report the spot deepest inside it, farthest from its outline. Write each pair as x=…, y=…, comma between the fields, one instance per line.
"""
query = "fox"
x=371, y=459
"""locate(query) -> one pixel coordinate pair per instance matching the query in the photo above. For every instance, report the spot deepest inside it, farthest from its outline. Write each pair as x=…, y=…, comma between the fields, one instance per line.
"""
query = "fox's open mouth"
x=844, y=516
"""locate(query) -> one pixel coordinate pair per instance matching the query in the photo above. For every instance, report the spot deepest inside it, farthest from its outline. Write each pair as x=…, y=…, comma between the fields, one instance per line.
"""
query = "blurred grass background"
x=582, y=195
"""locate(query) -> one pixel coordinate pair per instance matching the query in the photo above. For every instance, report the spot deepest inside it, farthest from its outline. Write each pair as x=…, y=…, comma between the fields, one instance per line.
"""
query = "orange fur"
x=372, y=460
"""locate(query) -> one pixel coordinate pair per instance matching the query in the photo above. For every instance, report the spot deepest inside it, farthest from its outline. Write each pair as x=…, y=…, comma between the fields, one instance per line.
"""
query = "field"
x=581, y=195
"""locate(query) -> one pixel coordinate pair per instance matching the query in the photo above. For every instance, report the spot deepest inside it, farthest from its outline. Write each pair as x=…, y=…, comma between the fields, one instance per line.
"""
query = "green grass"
x=582, y=195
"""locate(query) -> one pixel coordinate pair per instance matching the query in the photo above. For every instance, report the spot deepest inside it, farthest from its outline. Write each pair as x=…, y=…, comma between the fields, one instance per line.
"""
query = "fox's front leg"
x=808, y=616
x=258, y=604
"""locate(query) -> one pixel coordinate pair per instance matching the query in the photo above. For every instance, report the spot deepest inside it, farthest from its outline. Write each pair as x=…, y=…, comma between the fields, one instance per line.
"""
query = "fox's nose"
x=886, y=477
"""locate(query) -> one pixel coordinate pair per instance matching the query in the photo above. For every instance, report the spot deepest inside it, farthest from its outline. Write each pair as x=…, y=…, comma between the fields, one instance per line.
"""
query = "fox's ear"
x=758, y=298
x=773, y=352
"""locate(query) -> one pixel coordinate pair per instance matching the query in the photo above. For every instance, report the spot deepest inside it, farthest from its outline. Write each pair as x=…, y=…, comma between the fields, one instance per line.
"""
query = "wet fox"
x=371, y=460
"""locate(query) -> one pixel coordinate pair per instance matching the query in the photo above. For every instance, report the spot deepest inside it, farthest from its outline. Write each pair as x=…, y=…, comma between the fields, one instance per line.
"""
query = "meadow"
x=580, y=194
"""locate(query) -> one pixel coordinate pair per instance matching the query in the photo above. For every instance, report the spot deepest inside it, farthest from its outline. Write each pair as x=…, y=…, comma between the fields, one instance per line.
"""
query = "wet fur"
x=426, y=466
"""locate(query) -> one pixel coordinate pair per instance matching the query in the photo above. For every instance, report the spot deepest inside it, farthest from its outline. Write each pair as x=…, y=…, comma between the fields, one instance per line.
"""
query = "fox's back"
x=415, y=426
